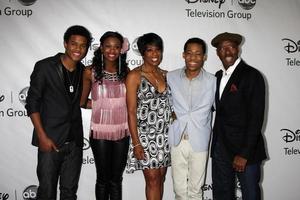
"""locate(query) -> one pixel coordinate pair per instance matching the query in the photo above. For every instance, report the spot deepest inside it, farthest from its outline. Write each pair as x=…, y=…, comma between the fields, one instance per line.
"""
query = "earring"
x=102, y=61
x=120, y=64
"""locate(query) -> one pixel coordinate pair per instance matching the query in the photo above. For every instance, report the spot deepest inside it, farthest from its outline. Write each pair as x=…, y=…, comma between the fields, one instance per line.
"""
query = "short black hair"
x=197, y=41
x=78, y=30
x=149, y=39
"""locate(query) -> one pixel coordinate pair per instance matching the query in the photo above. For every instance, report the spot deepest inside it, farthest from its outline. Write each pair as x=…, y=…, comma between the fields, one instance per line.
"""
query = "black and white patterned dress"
x=153, y=119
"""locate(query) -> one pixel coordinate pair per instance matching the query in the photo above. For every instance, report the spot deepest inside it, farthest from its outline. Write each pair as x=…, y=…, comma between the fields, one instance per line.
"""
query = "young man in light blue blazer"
x=193, y=94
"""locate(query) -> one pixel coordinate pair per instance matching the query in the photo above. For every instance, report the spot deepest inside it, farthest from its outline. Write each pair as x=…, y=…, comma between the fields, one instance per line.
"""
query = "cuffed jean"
x=63, y=166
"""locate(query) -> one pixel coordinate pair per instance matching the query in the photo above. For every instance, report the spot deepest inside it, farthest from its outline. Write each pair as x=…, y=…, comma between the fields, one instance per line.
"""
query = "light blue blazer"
x=192, y=102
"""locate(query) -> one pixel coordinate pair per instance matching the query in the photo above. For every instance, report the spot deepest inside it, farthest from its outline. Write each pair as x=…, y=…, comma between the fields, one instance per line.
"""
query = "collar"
x=183, y=74
x=232, y=67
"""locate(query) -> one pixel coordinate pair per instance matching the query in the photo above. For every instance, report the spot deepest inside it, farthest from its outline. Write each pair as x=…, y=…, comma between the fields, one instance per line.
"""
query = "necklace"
x=71, y=87
x=64, y=63
x=153, y=74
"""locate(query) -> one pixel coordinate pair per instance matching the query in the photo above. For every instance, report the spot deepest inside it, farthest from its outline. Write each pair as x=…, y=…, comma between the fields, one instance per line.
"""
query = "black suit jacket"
x=48, y=96
x=239, y=116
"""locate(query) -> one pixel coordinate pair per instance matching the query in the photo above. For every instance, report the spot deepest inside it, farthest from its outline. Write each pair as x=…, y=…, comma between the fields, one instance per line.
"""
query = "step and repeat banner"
x=33, y=29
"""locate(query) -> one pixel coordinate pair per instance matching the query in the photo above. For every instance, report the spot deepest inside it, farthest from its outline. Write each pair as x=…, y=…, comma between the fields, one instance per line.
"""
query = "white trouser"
x=188, y=171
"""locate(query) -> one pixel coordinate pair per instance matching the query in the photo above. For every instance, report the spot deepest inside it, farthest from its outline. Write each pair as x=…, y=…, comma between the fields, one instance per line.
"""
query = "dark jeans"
x=110, y=159
x=224, y=181
x=64, y=166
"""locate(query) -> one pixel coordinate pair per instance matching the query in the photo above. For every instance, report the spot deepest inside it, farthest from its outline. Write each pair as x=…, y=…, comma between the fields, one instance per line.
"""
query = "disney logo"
x=291, y=136
x=2, y=97
x=291, y=46
x=4, y=196
x=220, y=2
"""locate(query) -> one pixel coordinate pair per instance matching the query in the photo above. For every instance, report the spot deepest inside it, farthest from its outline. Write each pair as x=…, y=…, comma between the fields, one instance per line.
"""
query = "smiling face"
x=111, y=49
x=194, y=57
x=228, y=53
x=152, y=55
x=76, y=48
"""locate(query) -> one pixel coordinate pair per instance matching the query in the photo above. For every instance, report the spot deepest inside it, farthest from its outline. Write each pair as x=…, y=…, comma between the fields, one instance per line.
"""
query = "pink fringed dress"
x=109, y=110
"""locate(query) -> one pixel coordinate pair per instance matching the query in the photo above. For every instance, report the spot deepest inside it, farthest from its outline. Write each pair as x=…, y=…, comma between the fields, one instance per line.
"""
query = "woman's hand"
x=138, y=151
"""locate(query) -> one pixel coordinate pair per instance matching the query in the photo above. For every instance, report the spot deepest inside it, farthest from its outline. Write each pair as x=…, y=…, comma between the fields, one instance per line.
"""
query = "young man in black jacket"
x=53, y=106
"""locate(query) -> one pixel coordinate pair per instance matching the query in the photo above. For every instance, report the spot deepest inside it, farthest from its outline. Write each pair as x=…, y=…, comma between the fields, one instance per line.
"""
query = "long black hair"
x=98, y=64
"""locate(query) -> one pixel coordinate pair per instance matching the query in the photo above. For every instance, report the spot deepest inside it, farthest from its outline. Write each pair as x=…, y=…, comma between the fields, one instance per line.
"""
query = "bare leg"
x=163, y=172
x=154, y=183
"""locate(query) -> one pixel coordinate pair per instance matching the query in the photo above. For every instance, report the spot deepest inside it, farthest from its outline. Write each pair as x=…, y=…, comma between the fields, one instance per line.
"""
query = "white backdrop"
x=33, y=29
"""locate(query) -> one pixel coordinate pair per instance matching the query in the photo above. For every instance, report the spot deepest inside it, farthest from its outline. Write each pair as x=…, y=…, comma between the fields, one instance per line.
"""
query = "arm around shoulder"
x=85, y=102
x=132, y=83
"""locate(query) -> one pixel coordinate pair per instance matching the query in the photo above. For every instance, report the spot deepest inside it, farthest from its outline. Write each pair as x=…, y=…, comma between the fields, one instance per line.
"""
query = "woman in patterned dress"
x=149, y=113
x=109, y=136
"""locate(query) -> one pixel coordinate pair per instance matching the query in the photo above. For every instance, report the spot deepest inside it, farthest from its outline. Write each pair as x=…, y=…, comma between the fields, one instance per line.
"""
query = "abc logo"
x=30, y=193
x=23, y=95
x=135, y=47
x=247, y=4
x=86, y=144
x=27, y=2
x=238, y=191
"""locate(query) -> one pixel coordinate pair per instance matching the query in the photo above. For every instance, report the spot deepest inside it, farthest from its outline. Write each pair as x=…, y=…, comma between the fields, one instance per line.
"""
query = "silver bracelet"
x=138, y=144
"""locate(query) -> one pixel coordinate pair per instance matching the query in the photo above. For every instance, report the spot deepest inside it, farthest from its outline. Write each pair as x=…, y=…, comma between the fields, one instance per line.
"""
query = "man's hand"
x=239, y=163
x=46, y=144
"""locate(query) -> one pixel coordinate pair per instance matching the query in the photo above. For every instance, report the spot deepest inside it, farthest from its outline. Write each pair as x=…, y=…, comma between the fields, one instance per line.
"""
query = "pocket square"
x=233, y=88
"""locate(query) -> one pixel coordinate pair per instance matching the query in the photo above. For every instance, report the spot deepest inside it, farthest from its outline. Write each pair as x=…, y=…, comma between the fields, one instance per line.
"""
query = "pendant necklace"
x=71, y=87
x=154, y=71
x=156, y=78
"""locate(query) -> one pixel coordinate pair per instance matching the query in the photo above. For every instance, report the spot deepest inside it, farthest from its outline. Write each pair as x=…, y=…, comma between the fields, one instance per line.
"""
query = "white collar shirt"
x=226, y=76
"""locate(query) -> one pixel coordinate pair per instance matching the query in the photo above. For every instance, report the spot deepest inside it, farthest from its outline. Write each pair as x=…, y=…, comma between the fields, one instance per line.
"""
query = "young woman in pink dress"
x=109, y=135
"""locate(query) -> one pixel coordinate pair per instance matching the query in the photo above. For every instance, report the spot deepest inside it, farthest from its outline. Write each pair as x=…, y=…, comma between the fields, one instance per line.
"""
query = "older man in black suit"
x=237, y=145
x=53, y=106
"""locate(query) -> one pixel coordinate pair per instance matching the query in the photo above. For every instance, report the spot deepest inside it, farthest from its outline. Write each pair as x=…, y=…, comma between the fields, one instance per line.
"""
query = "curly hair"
x=78, y=30
x=98, y=64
